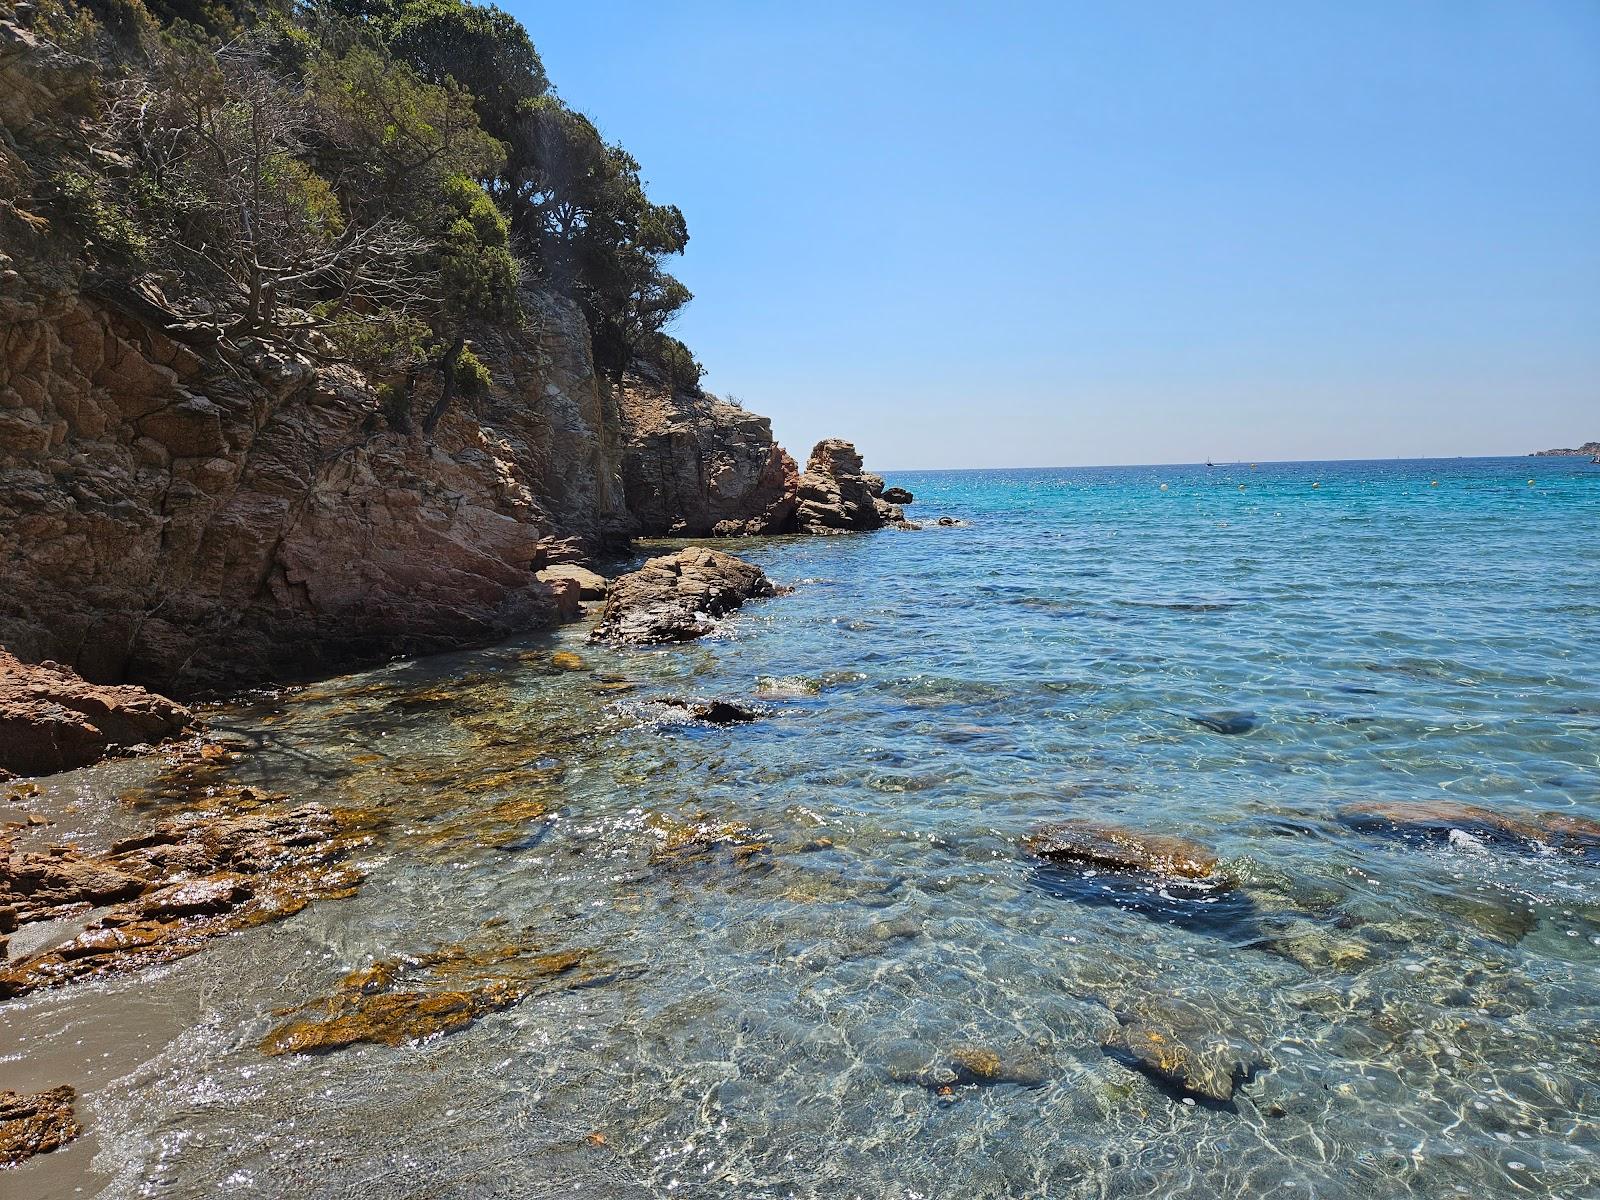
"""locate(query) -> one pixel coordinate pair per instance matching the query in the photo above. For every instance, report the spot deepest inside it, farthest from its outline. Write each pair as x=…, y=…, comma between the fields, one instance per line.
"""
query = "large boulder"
x=52, y=720
x=673, y=598
x=837, y=495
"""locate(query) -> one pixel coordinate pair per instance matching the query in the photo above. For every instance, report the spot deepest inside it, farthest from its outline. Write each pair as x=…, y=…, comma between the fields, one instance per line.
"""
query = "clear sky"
x=1054, y=233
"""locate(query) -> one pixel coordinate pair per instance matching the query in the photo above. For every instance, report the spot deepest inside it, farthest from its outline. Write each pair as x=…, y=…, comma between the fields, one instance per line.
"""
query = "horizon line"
x=1242, y=462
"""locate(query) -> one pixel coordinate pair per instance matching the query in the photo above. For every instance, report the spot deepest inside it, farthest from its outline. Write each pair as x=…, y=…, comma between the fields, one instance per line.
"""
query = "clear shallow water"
x=1421, y=1020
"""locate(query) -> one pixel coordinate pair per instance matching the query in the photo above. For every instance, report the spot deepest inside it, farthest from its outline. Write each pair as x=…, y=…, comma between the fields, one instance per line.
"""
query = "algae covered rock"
x=36, y=1123
x=400, y=1000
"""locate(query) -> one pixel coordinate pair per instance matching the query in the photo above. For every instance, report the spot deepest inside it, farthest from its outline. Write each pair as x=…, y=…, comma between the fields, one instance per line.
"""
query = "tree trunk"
x=447, y=388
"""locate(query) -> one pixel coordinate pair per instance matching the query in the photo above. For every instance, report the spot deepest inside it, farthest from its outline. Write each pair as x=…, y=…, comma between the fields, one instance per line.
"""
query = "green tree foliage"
x=372, y=179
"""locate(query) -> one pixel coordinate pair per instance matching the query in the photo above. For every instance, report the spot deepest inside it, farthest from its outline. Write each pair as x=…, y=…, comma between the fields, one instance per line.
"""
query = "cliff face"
x=697, y=466
x=181, y=519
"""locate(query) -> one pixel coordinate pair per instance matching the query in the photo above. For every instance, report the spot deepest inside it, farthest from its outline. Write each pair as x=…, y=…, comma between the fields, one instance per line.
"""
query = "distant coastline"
x=1589, y=449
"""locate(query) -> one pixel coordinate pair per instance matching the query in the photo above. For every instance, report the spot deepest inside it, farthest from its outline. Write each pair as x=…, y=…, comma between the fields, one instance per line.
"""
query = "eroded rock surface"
x=186, y=881
x=591, y=585
x=699, y=466
x=837, y=495
x=36, y=1123
x=676, y=597
x=53, y=720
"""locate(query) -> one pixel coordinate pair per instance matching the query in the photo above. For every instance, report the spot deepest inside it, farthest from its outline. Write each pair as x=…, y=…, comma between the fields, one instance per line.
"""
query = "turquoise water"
x=1234, y=660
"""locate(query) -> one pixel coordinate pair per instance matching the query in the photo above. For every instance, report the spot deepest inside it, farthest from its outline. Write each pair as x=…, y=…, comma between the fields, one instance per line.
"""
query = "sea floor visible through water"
x=818, y=960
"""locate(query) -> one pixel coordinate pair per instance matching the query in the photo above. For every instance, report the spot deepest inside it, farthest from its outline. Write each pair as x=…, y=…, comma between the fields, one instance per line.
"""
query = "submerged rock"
x=173, y=889
x=1118, y=849
x=1157, y=876
x=36, y=1123
x=673, y=598
x=53, y=720
x=965, y=1066
x=1178, y=1047
x=1230, y=722
x=681, y=843
x=401, y=1000
x=1449, y=821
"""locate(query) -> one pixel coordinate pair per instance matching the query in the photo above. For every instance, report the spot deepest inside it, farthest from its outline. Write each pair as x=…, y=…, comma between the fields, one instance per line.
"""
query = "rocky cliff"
x=697, y=466
x=1588, y=450
x=184, y=517
x=187, y=510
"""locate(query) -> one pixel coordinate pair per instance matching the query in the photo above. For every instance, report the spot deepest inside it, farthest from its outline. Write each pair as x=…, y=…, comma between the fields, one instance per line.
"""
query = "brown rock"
x=591, y=584
x=1116, y=849
x=673, y=598
x=36, y=1123
x=366, y=1007
x=897, y=495
x=837, y=496
x=185, y=882
x=52, y=720
x=1437, y=820
x=695, y=465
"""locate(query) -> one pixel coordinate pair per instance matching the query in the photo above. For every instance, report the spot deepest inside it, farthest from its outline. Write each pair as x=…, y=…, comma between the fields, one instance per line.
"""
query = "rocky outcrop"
x=189, y=511
x=591, y=585
x=700, y=466
x=1587, y=450
x=52, y=720
x=675, y=597
x=836, y=495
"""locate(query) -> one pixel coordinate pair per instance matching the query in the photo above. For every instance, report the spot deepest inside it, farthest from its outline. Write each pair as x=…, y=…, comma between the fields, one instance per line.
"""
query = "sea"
x=821, y=957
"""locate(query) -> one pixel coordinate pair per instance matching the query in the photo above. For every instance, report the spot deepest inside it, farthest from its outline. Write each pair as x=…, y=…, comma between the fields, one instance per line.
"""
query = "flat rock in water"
x=716, y=712
x=673, y=598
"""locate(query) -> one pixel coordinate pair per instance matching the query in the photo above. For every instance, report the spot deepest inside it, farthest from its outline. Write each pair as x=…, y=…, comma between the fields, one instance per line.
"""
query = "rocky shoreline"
x=1587, y=450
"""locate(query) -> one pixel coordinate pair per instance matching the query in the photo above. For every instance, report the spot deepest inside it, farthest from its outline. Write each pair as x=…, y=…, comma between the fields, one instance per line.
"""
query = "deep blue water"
x=1237, y=659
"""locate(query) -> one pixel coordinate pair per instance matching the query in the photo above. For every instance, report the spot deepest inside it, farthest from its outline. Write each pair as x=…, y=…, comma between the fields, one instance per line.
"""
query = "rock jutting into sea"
x=673, y=598
x=836, y=495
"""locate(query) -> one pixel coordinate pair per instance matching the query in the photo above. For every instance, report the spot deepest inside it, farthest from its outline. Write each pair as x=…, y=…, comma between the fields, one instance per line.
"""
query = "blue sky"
x=1069, y=233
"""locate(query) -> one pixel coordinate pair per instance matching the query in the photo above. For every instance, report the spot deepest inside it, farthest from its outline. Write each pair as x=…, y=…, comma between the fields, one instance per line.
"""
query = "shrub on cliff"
x=367, y=178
